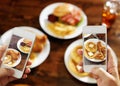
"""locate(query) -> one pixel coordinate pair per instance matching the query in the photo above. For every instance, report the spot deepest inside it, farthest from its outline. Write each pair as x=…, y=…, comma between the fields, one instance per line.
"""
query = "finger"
x=24, y=76
x=99, y=73
x=3, y=47
x=2, y=50
x=29, y=63
x=27, y=70
x=112, y=67
x=6, y=72
x=111, y=62
x=0, y=61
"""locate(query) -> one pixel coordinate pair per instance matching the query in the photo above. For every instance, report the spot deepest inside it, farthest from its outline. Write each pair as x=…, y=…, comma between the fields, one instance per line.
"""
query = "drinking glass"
x=110, y=11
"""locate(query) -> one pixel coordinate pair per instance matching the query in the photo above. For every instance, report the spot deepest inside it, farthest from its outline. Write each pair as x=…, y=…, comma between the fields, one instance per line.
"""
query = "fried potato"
x=60, y=29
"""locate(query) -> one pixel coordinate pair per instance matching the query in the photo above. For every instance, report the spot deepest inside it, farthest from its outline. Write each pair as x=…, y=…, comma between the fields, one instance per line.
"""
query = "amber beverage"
x=108, y=18
x=109, y=13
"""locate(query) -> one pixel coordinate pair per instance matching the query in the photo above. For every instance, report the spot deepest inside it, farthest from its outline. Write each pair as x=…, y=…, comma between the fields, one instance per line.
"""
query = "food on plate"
x=75, y=56
x=61, y=29
x=39, y=43
x=11, y=57
x=91, y=46
x=33, y=55
x=75, y=60
x=62, y=10
x=101, y=48
x=38, y=46
x=66, y=13
x=52, y=18
x=67, y=17
x=25, y=45
x=95, y=50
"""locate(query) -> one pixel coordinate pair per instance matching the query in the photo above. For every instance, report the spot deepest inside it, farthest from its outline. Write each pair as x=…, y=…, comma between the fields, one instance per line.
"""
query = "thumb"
x=2, y=50
x=99, y=73
x=6, y=72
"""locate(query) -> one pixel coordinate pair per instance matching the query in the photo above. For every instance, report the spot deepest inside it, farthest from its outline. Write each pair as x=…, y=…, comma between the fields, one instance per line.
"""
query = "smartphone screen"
x=94, y=47
x=18, y=51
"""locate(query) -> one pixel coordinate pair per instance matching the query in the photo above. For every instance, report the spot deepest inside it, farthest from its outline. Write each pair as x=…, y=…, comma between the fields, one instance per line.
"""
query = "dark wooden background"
x=53, y=71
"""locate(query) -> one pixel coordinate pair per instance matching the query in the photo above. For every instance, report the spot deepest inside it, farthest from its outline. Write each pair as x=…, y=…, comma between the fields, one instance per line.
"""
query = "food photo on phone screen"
x=18, y=51
x=95, y=51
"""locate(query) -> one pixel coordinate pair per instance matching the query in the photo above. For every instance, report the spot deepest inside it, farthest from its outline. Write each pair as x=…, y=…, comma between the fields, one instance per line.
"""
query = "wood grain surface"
x=53, y=71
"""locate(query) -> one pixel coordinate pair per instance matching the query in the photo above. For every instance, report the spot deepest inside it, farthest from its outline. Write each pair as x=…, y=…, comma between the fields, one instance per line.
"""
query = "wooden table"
x=53, y=71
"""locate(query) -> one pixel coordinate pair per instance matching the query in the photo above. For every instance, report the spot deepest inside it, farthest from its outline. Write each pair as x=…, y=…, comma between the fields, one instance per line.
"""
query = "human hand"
x=6, y=75
x=109, y=78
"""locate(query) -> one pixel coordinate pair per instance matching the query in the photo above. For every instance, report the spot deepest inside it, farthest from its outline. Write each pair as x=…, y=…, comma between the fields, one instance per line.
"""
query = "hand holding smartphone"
x=94, y=47
x=18, y=51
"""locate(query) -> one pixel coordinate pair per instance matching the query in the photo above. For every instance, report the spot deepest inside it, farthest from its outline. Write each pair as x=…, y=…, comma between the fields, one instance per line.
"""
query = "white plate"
x=42, y=56
x=94, y=41
x=43, y=20
x=17, y=61
x=18, y=46
x=67, y=57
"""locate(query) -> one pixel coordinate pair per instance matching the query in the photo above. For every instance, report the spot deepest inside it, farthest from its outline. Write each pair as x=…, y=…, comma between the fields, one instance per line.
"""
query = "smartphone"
x=94, y=47
x=18, y=51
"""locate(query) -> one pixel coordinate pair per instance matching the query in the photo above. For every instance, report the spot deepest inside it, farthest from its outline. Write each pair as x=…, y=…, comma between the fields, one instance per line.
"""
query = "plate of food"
x=62, y=20
x=95, y=50
x=41, y=47
x=12, y=57
x=24, y=45
x=72, y=62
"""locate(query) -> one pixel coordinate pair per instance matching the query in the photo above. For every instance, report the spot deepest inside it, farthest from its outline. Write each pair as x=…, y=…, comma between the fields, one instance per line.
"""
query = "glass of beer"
x=109, y=13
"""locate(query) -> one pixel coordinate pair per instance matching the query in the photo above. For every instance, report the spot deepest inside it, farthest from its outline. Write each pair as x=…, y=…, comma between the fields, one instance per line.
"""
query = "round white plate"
x=94, y=41
x=18, y=46
x=42, y=56
x=17, y=62
x=67, y=57
x=43, y=20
